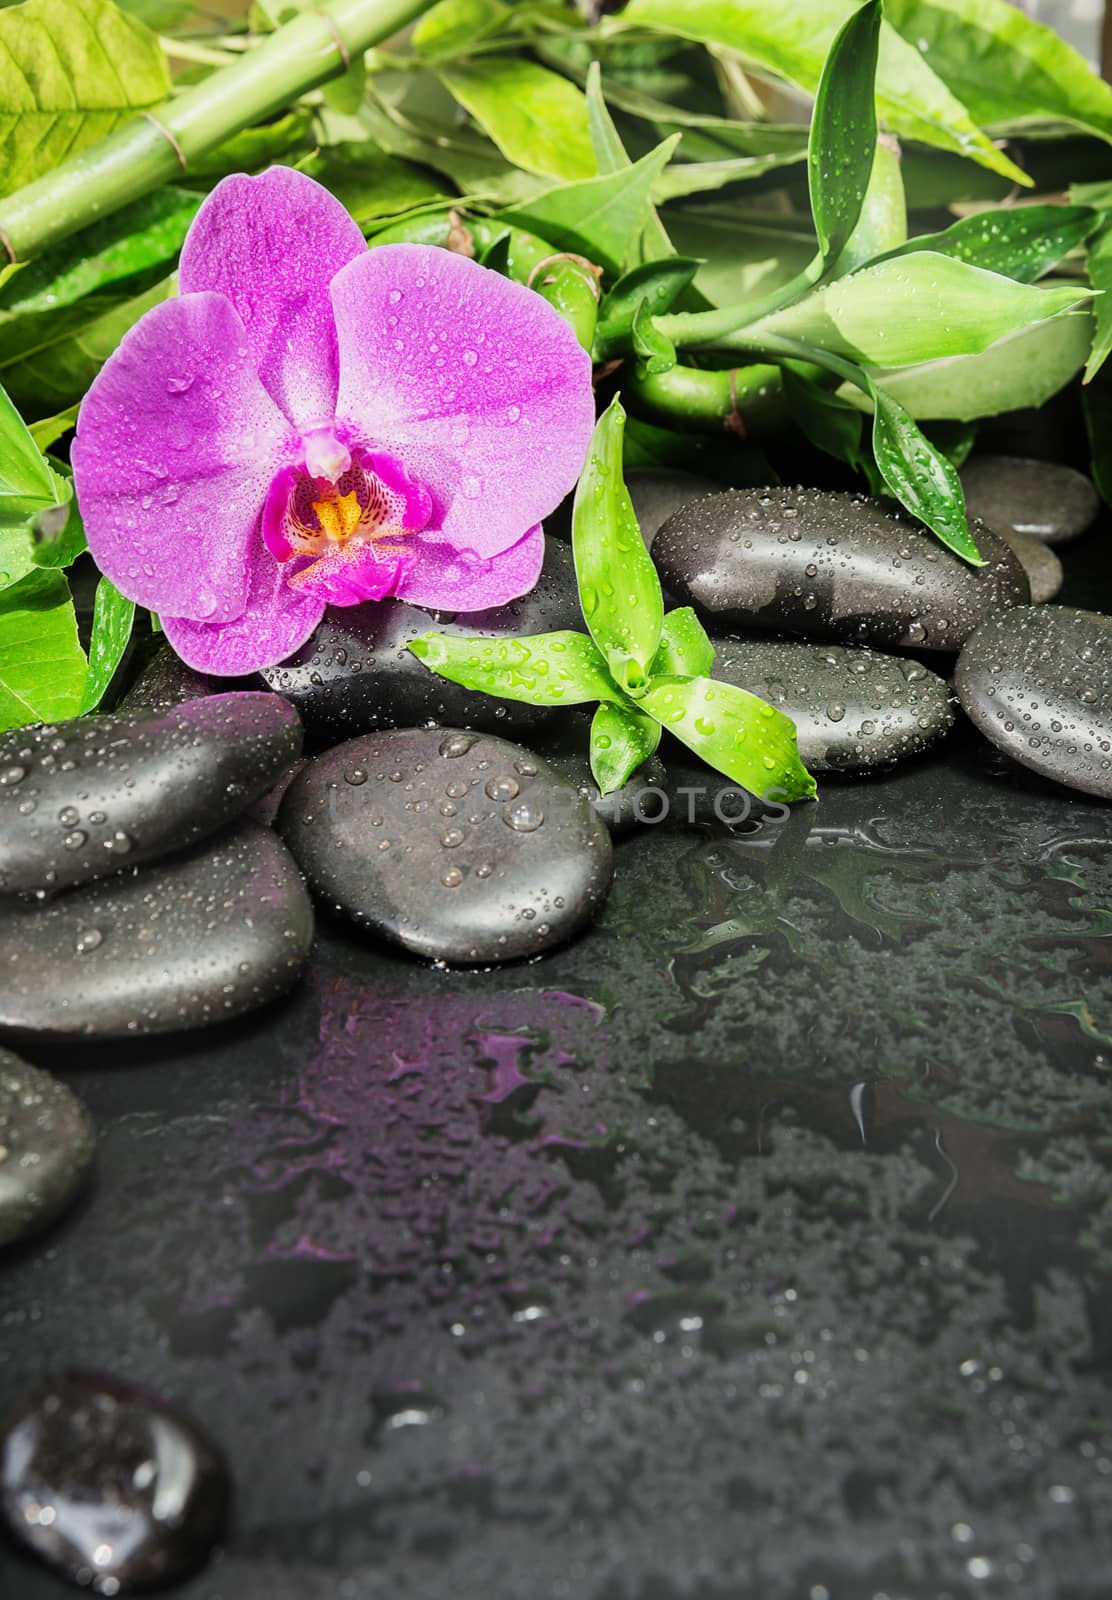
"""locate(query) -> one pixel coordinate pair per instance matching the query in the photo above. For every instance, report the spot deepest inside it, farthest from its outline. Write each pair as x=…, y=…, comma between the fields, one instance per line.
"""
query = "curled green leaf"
x=618, y=586
x=622, y=739
x=685, y=651
x=546, y=669
x=734, y=732
x=113, y=616
x=843, y=130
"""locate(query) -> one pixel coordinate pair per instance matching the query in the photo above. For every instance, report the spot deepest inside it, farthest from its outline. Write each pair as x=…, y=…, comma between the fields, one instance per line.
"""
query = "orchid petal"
x=272, y=245
x=476, y=383
x=441, y=577
x=351, y=575
x=177, y=442
x=276, y=621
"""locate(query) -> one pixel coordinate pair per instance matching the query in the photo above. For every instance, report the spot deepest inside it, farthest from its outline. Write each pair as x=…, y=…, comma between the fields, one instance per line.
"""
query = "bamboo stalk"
x=153, y=149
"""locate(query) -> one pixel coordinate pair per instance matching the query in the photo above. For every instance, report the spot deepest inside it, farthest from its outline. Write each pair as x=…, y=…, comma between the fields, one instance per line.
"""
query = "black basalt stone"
x=852, y=708
x=81, y=799
x=1045, y=573
x=47, y=1142
x=356, y=675
x=831, y=566
x=213, y=932
x=461, y=847
x=166, y=681
x=111, y=1486
x=1038, y=683
x=1048, y=501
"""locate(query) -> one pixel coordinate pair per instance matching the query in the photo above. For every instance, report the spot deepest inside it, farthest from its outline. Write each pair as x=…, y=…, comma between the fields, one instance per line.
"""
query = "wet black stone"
x=1050, y=502
x=658, y=493
x=1043, y=568
x=1038, y=683
x=111, y=1486
x=566, y=746
x=459, y=846
x=356, y=675
x=196, y=939
x=47, y=1141
x=831, y=566
x=166, y=681
x=81, y=799
x=852, y=708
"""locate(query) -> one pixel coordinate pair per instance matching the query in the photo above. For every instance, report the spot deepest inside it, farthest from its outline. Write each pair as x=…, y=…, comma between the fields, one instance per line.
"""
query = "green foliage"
x=643, y=667
x=843, y=131
x=1025, y=243
x=537, y=119
x=42, y=665
x=113, y=616
x=70, y=72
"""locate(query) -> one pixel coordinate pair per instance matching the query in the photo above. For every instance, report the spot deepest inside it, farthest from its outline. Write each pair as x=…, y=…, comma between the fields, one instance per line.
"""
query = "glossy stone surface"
x=1048, y=501
x=853, y=709
x=830, y=566
x=356, y=674
x=1038, y=683
x=195, y=939
x=85, y=798
x=1045, y=573
x=47, y=1143
x=461, y=847
x=166, y=681
x=658, y=493
x=110, y=1486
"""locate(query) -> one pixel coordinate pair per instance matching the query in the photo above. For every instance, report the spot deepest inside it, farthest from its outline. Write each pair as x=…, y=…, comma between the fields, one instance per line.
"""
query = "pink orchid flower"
x=312, y=423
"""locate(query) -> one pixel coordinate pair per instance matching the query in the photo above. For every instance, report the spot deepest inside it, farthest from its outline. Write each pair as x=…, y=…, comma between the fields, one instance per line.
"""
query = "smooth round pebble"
x=1038, y=683
x=166, y=681
x=1048, y=501
x=831, y=566
x=459, y=846
x=47, y=1143
x=82, y=799
x=1045, y=573
x=212, y=932
x=111, y=1486
x=853, y=709
x=356, y=673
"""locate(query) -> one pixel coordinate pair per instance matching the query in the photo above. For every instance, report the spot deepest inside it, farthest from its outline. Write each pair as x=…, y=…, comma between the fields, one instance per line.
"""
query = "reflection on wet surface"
x=758, y=1244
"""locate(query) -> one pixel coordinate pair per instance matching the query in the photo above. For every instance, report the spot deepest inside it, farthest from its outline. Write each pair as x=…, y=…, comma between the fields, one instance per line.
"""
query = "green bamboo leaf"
x=70, y=72
x=449, y=28
x=1010, y=71
x=537, y=119
x=685, y=650
x=734, y=732
x=921, y=477
x=27, y=489
x=286, y=138
x=1020, y=242
x=792, y=39
x=622, y=739
x=741, y=259
x=704, y=177
x=843, y=131
x=882, y=224
x=1025, y=369
x=1100, y=276
x=51, y=429
x=57, y=531
x=657, y=284
x=916, y=308
x=143, y=235
x=618, y=586
x=610, y=152
x=370, y=184
x=42, y=665
x=546, y=669
x=600, y=217
x=113, y=617
x=57, y=371
x=161, y=16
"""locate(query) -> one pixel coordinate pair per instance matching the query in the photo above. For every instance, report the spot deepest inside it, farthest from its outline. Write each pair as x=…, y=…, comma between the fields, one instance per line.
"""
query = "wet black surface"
x=757, y=1246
